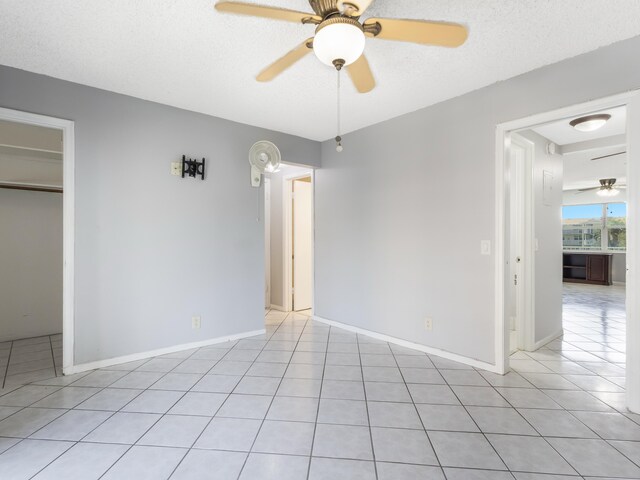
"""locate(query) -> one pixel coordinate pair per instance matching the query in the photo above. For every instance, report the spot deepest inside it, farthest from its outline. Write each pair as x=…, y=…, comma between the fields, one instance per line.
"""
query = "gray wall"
x=152, y=249
x=547, y=215
x=277, y=232
x=30, y=264
x=400, y=213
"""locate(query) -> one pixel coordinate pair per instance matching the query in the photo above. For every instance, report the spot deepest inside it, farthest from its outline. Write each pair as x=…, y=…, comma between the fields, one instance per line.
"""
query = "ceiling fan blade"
x=274, y=13
x=353, y=8
x=581, y=190
x=361, y=75
x=280, y=65
x=418, y=31
x=607, y=156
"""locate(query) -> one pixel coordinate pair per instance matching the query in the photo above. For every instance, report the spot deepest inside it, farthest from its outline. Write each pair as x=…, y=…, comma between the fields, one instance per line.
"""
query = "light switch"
x=485, y=247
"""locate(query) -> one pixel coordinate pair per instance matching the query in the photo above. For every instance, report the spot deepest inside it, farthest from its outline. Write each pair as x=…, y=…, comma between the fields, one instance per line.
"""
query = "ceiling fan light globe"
x=339, y=41
x=608, y=192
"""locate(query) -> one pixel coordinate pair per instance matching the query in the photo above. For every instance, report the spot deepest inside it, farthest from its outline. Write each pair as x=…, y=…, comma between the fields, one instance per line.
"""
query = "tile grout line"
x=315, y=427
x=366, y=404
x=275, y=393
x=416, y=408
x=53, y=358
x=6, y=370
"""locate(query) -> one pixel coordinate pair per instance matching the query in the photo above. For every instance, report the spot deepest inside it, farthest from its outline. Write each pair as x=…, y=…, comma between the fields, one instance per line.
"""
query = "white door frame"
x=287, y=223
x=522, y=174
x=68, y=211
x=267, y=241
x=631, y=100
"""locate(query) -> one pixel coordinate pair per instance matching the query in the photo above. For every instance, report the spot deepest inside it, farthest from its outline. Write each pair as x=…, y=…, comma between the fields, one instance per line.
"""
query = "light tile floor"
x=30, y=359
x=306, y=401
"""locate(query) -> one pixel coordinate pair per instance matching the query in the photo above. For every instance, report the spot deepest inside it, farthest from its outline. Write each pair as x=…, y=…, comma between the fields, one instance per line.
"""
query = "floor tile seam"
x=99, y=390
x=474, y=420
x=606, y=440
x=315, y=426
x=366, y=403
x=161, y=416
x=272, y=398
x=14, y=363
x=535, y=429
x=197, y=437
x=59, y=389
x=53, y=357
x=435, y=453
x=526, y=420
x=4, y=377
x=56, y=458
x=37, y=430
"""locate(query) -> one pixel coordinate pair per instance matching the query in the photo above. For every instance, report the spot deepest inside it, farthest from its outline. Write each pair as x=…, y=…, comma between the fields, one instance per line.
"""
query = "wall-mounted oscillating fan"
x=264, y=156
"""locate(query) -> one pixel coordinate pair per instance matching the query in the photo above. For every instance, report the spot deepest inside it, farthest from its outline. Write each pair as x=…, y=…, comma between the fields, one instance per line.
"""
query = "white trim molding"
x=279, y=308
x=68, y=219
x=472, y=362
x=83, y=367
x=547, y=339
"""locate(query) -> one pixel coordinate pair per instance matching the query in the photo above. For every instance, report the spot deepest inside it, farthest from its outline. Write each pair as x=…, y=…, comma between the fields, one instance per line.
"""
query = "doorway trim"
x=267, y=242
x=68, y=220
x=631, y=100
x=287, y=224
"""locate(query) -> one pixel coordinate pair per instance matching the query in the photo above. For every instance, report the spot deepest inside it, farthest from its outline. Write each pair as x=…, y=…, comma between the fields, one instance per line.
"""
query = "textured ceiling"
x=184, y=53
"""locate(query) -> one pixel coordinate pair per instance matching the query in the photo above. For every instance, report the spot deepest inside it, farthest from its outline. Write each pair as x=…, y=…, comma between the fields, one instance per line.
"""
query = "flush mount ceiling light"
x=590, y=122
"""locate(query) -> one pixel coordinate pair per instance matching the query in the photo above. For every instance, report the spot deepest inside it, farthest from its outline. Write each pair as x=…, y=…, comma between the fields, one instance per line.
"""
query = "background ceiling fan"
x=607, y=188
x=340, y=35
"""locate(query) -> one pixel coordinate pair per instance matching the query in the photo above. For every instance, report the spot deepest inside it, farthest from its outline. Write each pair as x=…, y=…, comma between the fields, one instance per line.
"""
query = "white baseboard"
x=280, y=308
x=547, y=339
x=83, y=367
x=416, y=346
x=622, y=284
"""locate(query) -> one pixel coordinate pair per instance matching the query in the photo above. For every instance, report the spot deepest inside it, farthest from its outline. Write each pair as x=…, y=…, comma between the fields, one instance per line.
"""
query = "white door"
x=302, y=244
x=516, y=164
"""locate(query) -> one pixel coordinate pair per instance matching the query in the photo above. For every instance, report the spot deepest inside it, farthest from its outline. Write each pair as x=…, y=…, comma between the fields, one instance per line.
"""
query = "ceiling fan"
x=607, y=188
x=340, y=35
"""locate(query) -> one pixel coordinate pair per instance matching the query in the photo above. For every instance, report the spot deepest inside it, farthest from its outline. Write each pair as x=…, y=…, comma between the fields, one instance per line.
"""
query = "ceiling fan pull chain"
x=338, y=137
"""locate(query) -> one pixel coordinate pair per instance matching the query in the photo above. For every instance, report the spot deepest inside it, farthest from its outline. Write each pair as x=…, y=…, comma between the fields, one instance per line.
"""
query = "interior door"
x=516, y=165
x=302, y=244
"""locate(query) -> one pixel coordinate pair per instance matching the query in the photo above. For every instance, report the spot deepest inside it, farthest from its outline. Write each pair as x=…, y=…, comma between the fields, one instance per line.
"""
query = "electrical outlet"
x=176, y=168
x=485, y=247
x=428, y=324
x=195, y=322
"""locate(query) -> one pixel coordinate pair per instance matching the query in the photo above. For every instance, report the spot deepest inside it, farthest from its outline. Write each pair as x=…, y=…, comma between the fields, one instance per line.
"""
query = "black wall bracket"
x=192, y=168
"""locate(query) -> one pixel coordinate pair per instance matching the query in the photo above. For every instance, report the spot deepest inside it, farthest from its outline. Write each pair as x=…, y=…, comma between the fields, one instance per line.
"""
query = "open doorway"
x=36, y=271
x=567, y=250
x=31, y=258
x=289, y=210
